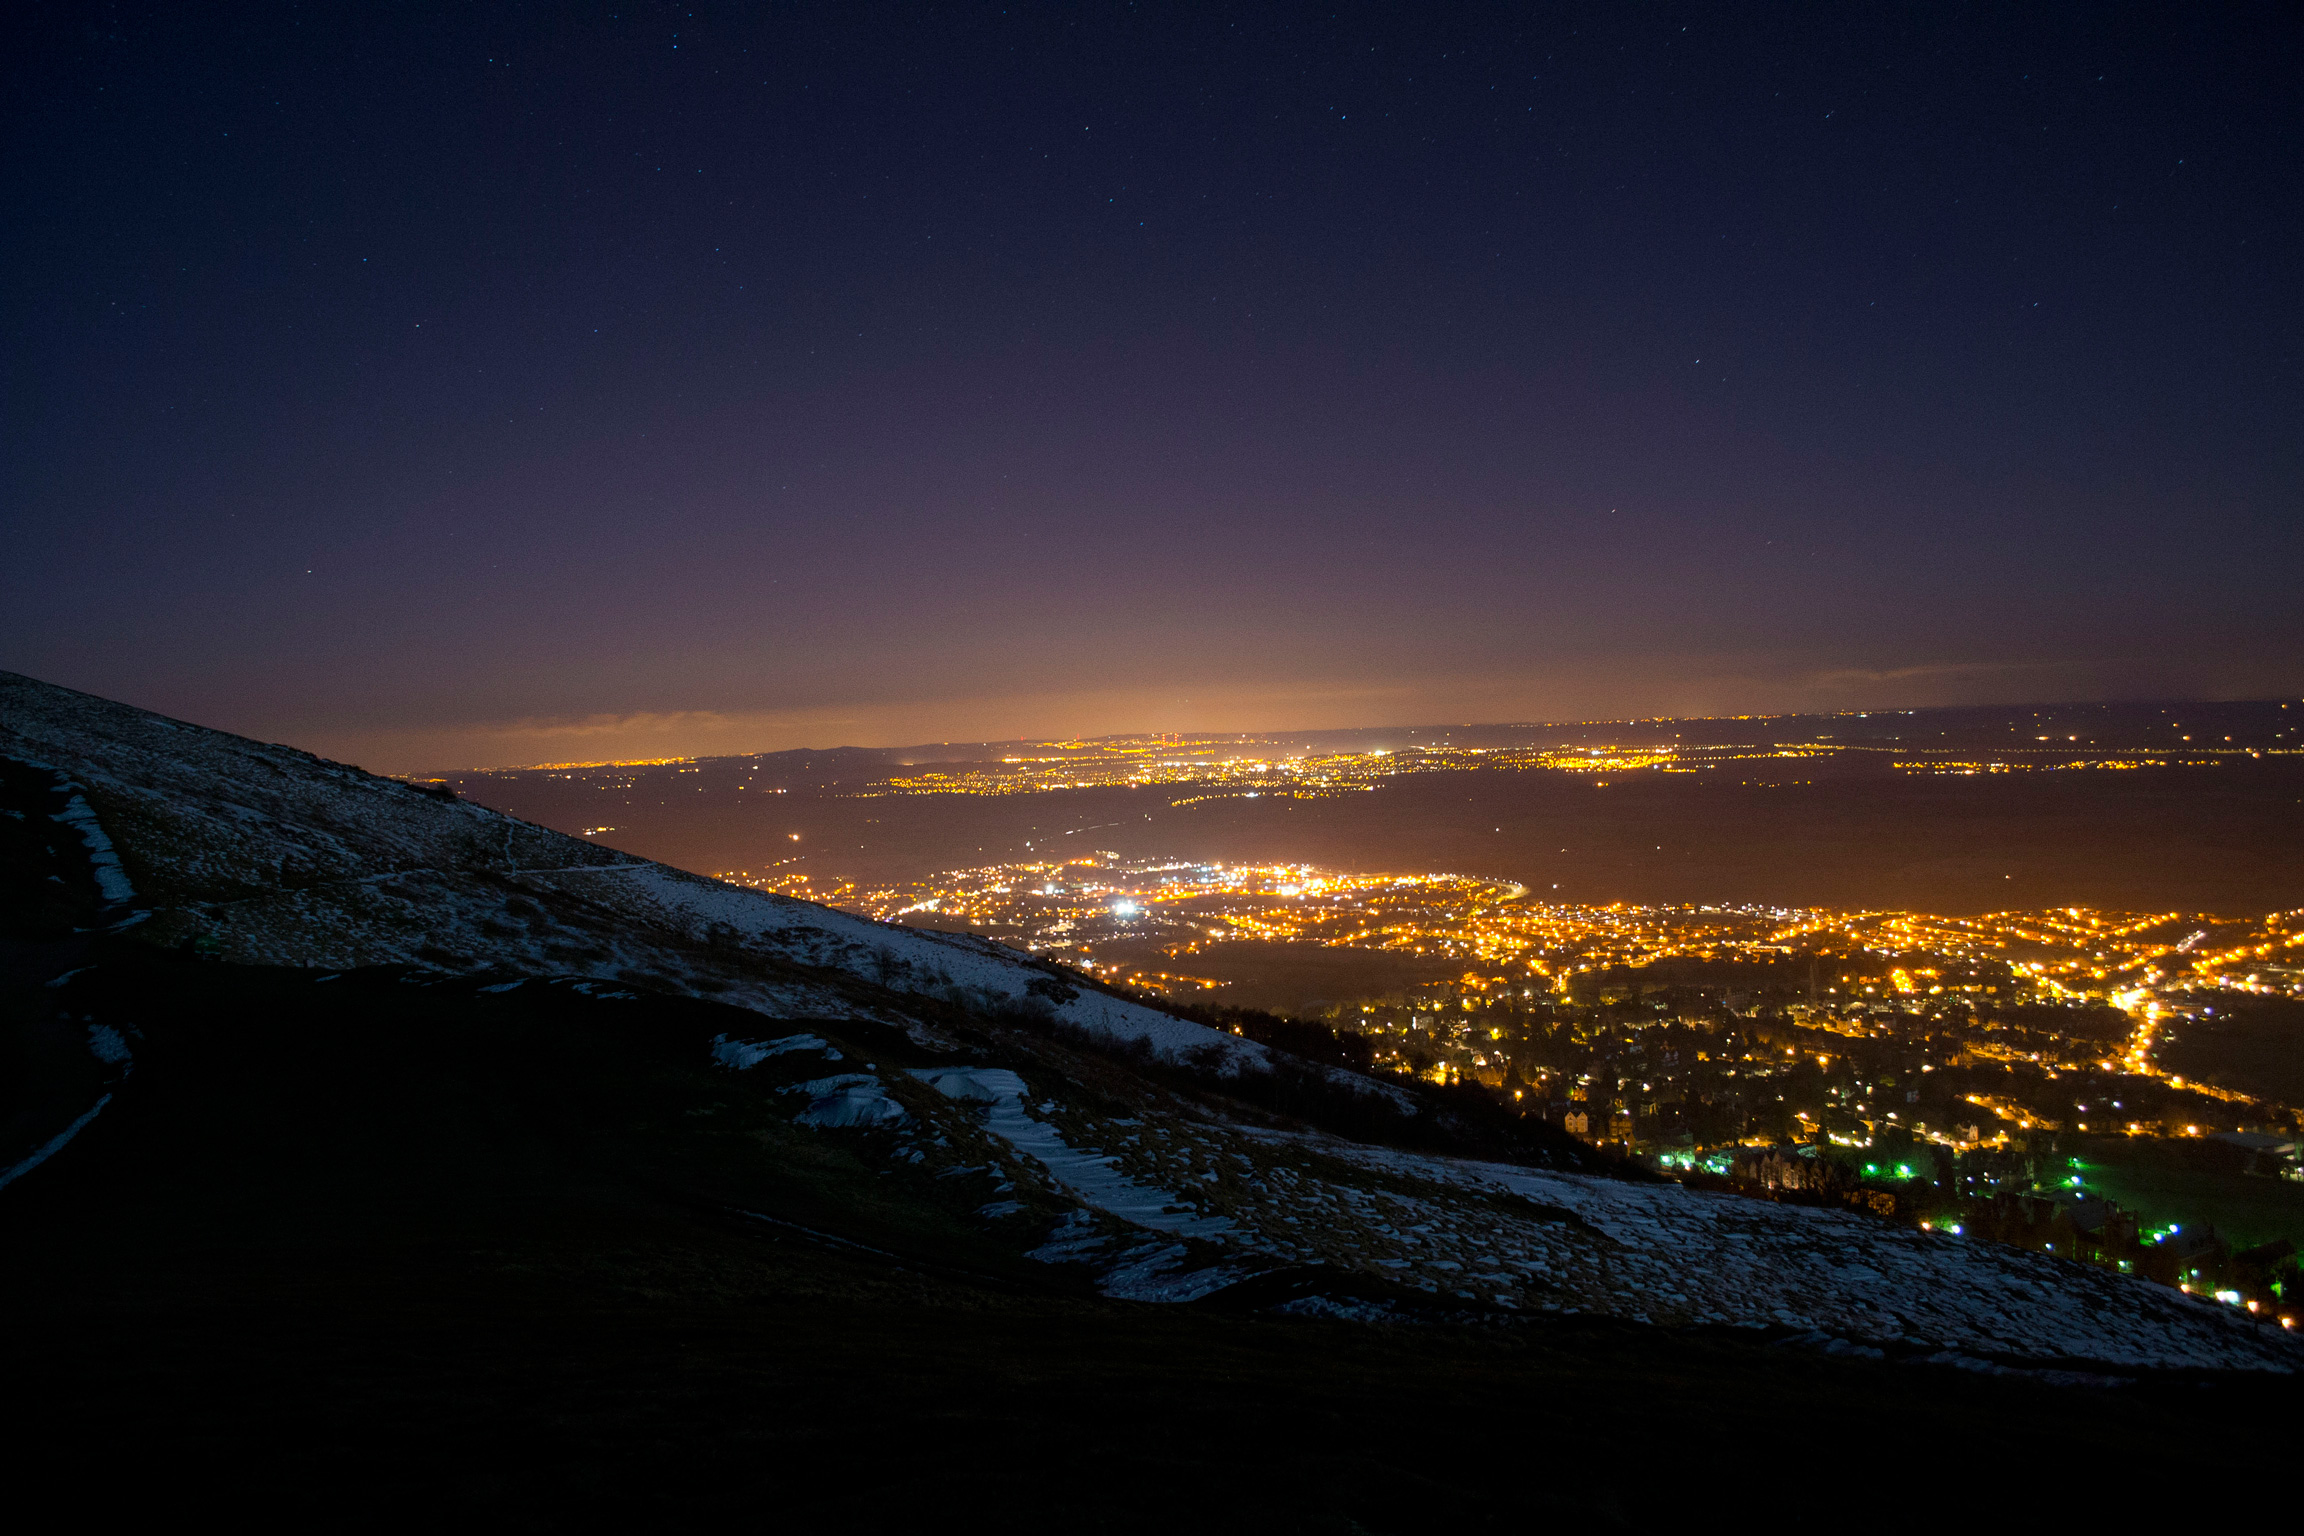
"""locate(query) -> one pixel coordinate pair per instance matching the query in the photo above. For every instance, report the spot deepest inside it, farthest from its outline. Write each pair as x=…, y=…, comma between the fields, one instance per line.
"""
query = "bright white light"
x=1123, y=909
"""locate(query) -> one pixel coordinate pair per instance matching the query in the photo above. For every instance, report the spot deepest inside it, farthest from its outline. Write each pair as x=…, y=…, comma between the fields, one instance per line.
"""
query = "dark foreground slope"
x=391, y=1246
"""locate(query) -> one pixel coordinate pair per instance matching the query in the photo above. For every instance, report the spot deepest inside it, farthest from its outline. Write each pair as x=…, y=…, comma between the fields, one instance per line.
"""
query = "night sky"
x=450, y=386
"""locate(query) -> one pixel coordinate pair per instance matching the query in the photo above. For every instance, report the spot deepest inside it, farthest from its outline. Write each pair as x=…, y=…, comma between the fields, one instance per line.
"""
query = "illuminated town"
x=1946, y=1069
x=1218, y=767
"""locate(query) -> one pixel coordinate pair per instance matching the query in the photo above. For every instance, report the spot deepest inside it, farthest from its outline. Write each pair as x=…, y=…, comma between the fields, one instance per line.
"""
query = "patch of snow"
x=54, y=1144
x=744, y=1055
x=1159, y=1274
x=1073, y=1240
x=1093, y=1176
x=1331, y=1307
x=851, y=1099
x=103, y=859
x=971, y=1085
x=818, y=1086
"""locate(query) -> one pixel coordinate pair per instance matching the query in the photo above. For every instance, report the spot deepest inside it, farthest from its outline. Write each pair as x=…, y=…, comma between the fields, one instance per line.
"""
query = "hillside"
x=326, y=1090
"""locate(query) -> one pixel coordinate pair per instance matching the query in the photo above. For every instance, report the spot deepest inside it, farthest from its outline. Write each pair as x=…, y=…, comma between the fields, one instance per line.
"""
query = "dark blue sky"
x=440, y=388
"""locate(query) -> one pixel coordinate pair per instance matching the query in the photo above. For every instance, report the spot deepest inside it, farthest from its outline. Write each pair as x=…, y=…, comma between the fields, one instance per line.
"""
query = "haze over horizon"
x=641, y=738
x=533, y=742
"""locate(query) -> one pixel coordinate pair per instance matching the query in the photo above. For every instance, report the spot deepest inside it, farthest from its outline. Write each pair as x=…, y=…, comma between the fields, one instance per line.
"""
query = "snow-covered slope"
x=275, y=857
x=1490, y=1235
x=265, y=855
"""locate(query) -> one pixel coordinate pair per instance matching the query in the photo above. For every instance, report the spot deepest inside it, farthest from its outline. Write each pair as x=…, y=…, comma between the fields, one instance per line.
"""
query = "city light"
x=1706, y=1038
